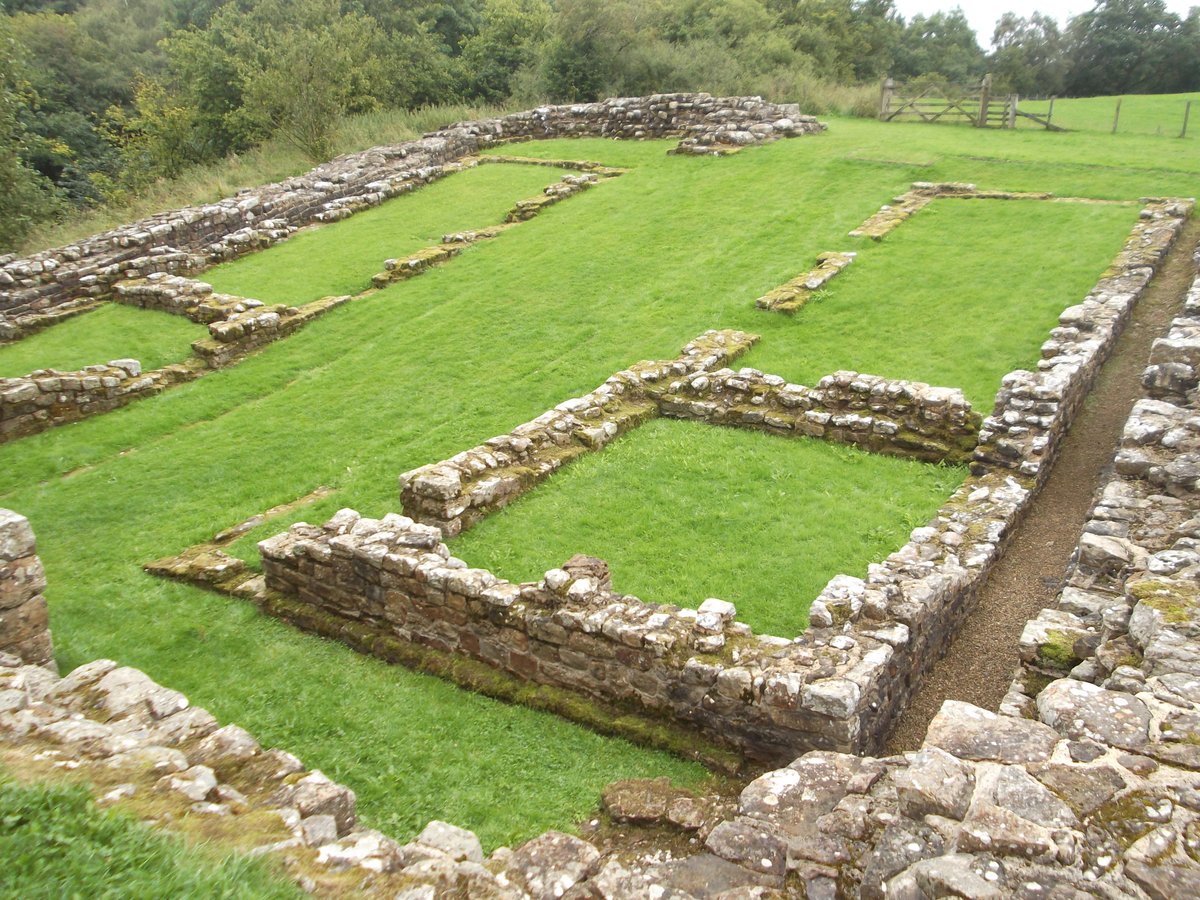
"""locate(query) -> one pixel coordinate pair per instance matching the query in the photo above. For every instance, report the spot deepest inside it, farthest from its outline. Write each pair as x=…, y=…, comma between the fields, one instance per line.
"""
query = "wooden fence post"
x=886, y=89
x=1187, y=111
x=1050, y=114
x=985, y=91
x=1117, y=116
x=1012, y=110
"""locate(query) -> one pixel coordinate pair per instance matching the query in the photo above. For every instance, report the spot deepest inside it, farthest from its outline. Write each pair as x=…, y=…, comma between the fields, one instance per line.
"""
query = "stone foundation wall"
x=456, y=493
x=1034, y=409
x=48, y=397
x=707, y=124
x=838, y=686
x=1174, y=370
x=395, y=580
x=1090, y=797
x=190, y=239
x=1125, y=625
x=900, y=418
x=24, y=619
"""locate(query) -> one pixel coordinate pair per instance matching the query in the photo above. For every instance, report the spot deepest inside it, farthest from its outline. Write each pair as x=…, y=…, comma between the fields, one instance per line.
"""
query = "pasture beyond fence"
x=982, y=106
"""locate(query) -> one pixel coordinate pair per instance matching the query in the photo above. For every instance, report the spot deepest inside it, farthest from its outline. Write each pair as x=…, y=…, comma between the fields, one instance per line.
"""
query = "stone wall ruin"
x=188, y=240
x=237, y=325
x=24, y=618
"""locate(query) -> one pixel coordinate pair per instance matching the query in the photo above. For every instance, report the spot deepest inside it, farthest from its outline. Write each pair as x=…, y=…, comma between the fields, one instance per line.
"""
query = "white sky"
x=982, y=14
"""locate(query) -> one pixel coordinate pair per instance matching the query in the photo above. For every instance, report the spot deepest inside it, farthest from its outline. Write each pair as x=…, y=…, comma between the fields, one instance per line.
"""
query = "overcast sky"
x=982, y=14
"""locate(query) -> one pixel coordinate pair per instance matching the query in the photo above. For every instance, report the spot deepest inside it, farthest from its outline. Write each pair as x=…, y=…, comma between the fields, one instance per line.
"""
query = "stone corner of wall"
x=24, y=617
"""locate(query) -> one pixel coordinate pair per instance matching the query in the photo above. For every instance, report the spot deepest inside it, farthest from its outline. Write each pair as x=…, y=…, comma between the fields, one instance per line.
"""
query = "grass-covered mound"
x=111, y=332
x=632, y=269
x=683, y=511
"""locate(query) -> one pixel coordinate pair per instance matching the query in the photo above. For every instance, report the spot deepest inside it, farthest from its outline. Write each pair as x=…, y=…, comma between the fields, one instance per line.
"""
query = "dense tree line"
x=97, y=97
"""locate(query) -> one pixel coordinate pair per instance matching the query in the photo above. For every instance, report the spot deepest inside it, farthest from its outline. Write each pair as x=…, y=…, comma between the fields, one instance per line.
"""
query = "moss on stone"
x=1174, y=602
x=1058, y=651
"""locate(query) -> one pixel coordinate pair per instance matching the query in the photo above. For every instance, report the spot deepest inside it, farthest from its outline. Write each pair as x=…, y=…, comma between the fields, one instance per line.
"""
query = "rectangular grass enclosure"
x=682, y=511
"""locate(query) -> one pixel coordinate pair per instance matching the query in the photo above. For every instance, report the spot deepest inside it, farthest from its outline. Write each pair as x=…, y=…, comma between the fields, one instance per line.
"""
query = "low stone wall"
x=24, y=619
x=236, y=325
x=187, y=240
x=1125, y=625
x=18, y=327
x=395, y=580
x=795, y=294
x=900, y=418
x=456, y=493
x=47, y=397
x=143, y=746
x=1034, y=409
x=708, y=124
x=991, y=807
x=1174, y=370
x=892, y=216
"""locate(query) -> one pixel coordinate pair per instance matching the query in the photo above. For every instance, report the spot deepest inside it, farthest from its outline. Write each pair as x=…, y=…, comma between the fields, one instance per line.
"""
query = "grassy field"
x=110, y=332
x=632, y=269
x=56, y=844
x=683, y=511
x=1141, y=114
x=320, y=262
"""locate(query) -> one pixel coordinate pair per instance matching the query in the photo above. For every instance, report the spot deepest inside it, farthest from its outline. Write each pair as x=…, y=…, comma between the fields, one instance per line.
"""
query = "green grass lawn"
x=630, y=270
x=110, y=332
x=683, y=511
x=956, y=297
x=56, y=843
x=1141, y=114
x=321, y=262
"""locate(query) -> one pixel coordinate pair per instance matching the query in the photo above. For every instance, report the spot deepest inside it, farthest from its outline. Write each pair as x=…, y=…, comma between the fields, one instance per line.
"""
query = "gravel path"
x=980, y=661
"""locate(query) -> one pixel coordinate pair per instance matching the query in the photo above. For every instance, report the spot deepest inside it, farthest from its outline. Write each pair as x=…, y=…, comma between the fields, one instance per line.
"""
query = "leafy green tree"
x=1029, y=55
x=1132, y=46
x=26, y=196
x=943, y=43
x=35, y=6
x=74, y=81
x=848, y=40
x=511, y=37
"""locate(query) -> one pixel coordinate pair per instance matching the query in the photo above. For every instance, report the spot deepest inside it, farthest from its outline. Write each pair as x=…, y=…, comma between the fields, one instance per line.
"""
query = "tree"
x=26, y=196
x=1029, y=55
x=942, y=43
x=847, y=39
x=75, y=82
x=510, y=39
x=1132, y=46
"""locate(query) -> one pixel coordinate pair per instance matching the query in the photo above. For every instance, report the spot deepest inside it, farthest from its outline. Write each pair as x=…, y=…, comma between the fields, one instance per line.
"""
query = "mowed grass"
x=632, y=269
x=320, y=262
x=111, y=332
x=1141, y=114
x=683, y=511
x=958, y=297
x=57, y=843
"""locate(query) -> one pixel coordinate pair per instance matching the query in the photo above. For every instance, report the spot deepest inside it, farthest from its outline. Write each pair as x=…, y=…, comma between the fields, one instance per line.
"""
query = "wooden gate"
x=936, y=102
